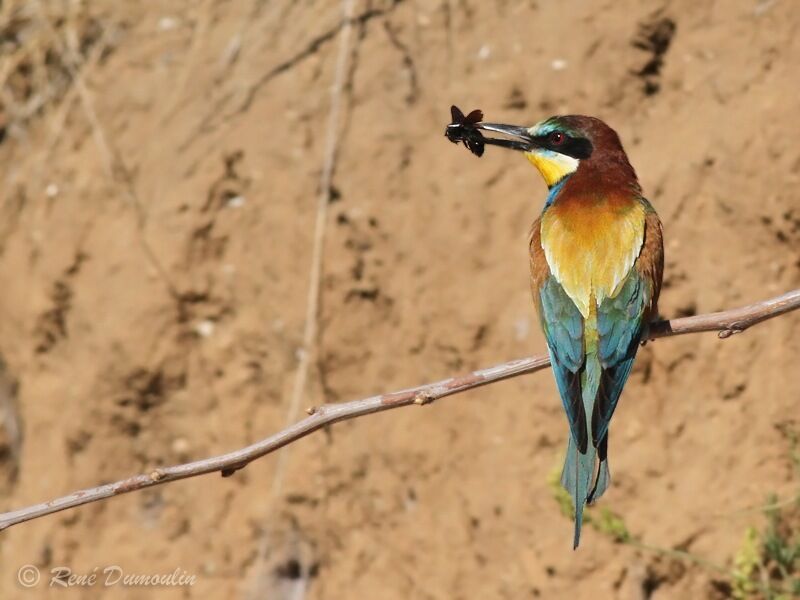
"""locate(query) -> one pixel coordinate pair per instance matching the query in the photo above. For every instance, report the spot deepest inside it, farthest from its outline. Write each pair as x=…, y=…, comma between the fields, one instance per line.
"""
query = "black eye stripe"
x=571, y=146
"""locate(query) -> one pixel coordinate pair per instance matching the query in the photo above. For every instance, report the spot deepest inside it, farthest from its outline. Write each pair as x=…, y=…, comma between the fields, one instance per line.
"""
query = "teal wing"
x=620, y=322
x=563, y=328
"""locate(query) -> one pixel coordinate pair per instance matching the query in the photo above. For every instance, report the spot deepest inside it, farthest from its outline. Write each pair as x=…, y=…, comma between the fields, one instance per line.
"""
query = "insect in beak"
x=463, y=129
x=466, y=129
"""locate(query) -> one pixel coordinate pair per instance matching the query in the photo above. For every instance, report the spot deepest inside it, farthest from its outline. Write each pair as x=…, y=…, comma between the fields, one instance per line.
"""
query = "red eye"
x=556, y=138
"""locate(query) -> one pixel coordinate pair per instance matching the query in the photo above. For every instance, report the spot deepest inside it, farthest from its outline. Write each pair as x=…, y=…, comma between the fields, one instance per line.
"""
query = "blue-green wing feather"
x=563, y=327
x=620, y=321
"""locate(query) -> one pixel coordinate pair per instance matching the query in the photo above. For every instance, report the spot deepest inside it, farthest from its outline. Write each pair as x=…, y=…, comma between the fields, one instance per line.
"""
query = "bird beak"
x=523, y=140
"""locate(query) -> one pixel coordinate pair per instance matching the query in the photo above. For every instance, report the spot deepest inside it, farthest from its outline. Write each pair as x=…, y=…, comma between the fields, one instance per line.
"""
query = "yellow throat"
x=552, y=165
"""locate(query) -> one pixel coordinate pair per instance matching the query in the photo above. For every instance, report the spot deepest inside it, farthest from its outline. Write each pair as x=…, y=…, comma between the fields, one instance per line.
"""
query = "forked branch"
x=726, y=323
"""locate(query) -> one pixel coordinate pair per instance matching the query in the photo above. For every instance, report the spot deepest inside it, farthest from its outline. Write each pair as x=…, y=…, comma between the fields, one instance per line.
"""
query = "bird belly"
x=590, y=246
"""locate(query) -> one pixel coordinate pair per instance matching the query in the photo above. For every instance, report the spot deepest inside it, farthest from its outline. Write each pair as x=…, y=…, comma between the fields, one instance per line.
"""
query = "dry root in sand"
x=43, y=45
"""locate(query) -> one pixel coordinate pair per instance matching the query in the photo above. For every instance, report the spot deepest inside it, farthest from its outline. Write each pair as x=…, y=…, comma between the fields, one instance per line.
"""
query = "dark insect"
x=463, y=129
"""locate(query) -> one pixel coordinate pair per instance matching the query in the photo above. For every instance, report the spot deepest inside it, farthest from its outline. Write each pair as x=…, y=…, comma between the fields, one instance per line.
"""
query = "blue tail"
x=578, y=478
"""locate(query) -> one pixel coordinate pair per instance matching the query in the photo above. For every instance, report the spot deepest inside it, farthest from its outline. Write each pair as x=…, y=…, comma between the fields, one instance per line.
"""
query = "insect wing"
x=476, y=116
x=456, y=114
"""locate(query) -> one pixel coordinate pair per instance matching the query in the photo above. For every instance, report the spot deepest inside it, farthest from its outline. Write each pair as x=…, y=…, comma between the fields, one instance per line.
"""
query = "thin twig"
x=680, y=555
x=310, y=333
x=763, y=508
x=307, y=350
x=725, y=322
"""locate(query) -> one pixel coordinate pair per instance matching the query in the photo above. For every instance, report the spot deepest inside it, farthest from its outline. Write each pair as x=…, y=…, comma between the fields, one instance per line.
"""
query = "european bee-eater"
x=597, y=259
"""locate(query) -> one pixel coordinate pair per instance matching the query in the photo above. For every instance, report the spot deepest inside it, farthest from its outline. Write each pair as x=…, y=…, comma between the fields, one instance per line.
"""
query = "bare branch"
x=726, y=323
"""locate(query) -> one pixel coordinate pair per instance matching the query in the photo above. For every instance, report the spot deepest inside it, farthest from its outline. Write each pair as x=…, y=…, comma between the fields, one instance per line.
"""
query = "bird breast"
x=591, y=244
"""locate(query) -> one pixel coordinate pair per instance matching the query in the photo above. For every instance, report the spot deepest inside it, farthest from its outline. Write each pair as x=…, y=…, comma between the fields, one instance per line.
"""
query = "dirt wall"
x=158, y=209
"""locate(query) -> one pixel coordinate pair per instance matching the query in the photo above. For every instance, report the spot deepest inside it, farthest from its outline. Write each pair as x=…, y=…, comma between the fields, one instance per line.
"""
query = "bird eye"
x=556, y=138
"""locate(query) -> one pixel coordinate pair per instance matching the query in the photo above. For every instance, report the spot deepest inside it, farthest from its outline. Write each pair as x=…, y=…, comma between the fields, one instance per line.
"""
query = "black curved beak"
x=523, y=140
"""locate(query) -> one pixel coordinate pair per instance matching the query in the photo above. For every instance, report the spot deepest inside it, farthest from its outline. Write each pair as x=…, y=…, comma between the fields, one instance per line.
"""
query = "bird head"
x=563, y=146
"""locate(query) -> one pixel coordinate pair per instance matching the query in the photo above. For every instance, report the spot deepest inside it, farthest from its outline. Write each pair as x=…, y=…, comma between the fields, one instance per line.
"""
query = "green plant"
x=767, y=564
x=745, y=565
